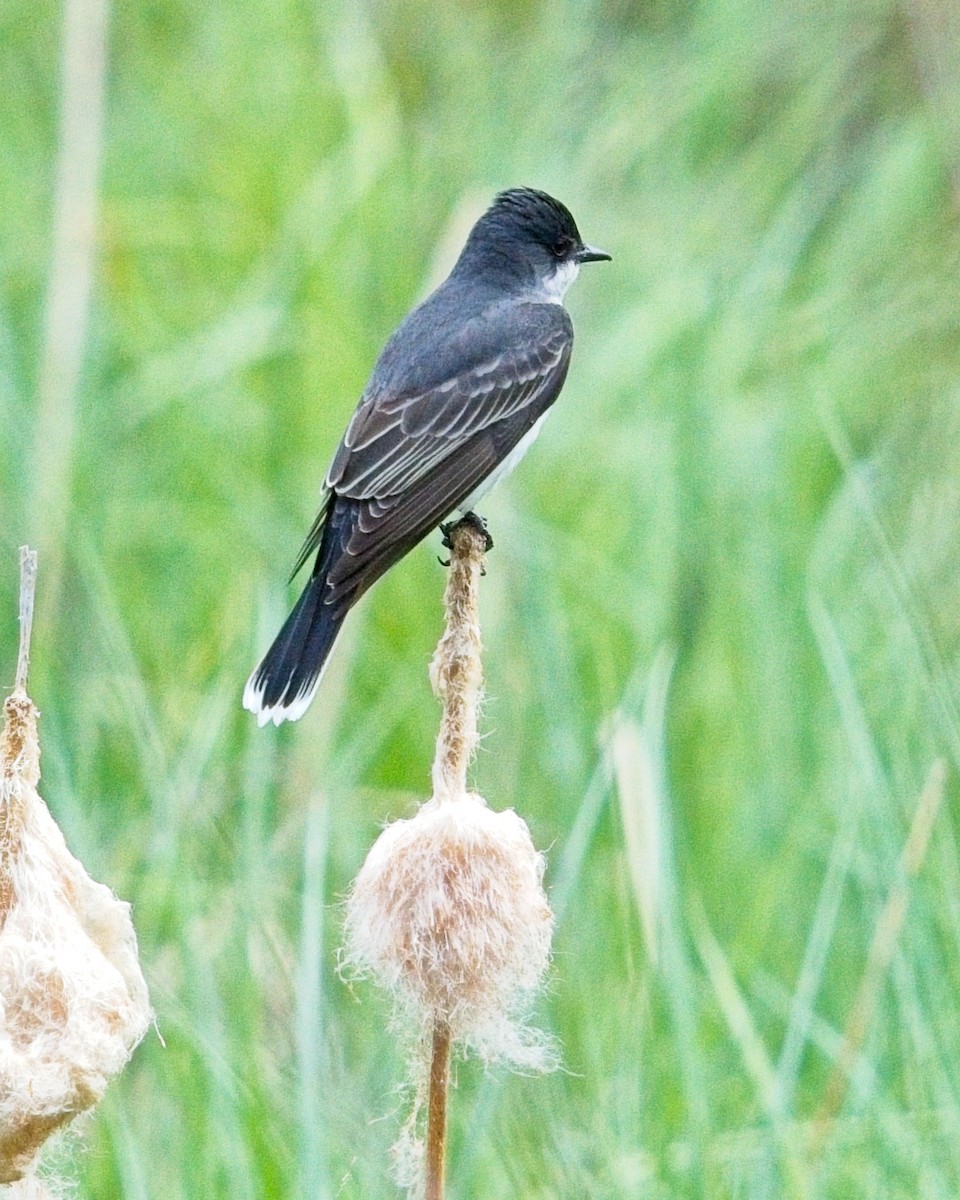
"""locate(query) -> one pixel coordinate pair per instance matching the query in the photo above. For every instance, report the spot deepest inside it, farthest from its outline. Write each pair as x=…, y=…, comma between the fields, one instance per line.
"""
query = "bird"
x=457, y=396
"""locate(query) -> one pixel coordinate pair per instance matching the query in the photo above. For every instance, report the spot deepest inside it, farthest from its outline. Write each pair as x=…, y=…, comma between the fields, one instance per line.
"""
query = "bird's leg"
x=471, y=518
x=448, y=528
x=479, y=523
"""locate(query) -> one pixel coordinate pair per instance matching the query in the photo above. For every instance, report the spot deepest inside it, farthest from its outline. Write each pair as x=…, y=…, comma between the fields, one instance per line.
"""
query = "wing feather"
x=373, y=546
x=391, y=443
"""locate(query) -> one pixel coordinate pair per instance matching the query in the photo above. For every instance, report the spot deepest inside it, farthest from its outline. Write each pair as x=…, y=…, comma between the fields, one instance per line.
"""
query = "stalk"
x=437, y=1111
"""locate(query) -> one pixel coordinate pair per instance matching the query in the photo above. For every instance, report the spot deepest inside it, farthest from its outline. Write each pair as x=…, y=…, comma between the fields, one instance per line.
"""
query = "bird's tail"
x=282, y=686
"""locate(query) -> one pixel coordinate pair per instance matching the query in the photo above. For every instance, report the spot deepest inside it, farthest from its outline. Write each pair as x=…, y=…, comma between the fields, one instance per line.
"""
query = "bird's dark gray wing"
x=364, y=538
x=409, y=458
x=395, y=439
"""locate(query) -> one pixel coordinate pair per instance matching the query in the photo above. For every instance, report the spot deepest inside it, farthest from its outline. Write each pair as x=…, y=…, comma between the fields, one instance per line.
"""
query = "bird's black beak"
x=591, y=254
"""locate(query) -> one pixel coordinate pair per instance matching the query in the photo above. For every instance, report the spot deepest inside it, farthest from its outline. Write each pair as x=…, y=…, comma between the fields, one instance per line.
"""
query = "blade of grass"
x=81, y=133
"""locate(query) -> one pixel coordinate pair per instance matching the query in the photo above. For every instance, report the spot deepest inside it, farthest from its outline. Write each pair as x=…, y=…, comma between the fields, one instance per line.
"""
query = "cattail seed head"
x=73, y=1001
x=448, y=913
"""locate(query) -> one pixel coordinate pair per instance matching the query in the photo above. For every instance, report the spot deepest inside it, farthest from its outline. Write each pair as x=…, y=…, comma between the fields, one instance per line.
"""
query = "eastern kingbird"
x=455, y=400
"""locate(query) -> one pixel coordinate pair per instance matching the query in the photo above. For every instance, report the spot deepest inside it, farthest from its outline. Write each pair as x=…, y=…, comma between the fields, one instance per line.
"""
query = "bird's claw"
x=447, y=528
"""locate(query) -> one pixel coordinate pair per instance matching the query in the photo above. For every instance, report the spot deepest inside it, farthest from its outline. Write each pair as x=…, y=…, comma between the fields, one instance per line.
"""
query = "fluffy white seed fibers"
x=73, y=1001
x=449, y=914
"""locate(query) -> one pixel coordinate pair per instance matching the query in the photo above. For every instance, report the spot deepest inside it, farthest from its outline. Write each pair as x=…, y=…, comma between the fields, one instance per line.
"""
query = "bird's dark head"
x=531, y=237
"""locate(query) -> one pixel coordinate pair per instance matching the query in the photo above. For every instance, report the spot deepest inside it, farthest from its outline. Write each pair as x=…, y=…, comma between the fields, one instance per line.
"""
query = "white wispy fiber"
x=449, y=914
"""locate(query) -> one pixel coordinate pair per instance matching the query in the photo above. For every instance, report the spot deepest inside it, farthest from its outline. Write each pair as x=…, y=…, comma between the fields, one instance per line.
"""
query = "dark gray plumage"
x=455, y=399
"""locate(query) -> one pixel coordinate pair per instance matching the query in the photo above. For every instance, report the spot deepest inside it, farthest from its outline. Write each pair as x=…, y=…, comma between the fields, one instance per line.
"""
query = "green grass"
x=739, y=529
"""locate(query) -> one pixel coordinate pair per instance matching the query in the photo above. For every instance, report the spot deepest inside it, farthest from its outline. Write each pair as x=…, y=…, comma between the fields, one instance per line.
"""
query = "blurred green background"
x=721, y=619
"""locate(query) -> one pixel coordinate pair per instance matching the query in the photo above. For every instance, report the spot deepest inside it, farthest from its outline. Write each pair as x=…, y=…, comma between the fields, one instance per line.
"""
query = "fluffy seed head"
x=448, y=913
x=73, y=1003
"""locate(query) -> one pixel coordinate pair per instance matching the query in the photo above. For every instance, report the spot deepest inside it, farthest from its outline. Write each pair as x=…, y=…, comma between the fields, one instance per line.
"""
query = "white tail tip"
x=291, y=709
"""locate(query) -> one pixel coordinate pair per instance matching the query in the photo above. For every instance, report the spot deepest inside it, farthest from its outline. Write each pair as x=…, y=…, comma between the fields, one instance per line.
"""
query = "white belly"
x=502, y=469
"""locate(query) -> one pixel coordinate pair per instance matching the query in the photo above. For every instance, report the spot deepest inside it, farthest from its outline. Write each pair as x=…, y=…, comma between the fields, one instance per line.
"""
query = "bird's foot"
x=472, y=519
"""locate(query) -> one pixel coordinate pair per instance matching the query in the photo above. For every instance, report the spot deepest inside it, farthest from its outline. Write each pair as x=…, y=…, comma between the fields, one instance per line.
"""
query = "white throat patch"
x=555, y=286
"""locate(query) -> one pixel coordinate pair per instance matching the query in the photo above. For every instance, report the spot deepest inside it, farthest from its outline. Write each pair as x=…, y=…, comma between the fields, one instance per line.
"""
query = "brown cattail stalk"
x=437, y=1111
x=448, y=911
x=28, y=588
x=456, y=673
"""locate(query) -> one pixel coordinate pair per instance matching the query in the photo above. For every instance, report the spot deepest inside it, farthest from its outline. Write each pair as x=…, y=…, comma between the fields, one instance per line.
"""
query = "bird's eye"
x=561, y=247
